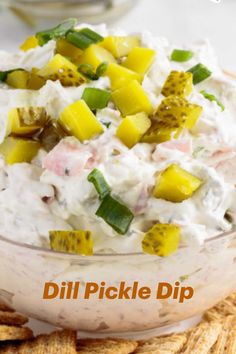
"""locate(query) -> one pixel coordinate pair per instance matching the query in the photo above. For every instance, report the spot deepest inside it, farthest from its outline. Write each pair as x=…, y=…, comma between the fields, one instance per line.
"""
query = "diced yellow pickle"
x=18, y=79
x=120, y=46
x=35, y=82
x=162, y=240
x=175, y=184
x=16, y=150
x=95, y=55
x=67, y=49
x=140, y=60
x=78, y=242
x=78, y=120
x=132, y=128
x=171, y=117
x=30, y=43
x=132, y=99
x=178, y=84
x=60, y=68
x=157, y=135
x=26, y=120
x=120, y=76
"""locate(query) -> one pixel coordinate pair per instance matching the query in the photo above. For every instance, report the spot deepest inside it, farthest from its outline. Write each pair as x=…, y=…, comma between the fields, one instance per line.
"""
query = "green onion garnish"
x=101, y=69
x=181, y=55
x=83, y=38
x=96, y=98
x=87, y=71
x=3, y=74
x=102, y=187
x=200, y=72
x=212, y=98
x=115, y=214
x=57, y=32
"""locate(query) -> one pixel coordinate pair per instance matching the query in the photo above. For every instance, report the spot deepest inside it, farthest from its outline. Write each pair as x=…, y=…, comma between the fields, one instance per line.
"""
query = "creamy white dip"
x=39, y=197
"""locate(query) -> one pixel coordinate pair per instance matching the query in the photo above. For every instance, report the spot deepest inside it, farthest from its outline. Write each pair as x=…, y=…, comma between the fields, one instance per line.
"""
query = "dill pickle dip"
x=115, y=143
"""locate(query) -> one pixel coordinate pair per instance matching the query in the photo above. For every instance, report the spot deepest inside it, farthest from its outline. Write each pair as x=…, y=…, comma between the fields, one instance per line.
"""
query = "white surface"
x=179, y=20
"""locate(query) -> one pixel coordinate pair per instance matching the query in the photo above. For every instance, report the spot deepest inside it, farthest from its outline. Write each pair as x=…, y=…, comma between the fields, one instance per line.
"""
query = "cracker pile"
x=216, y=334
x=11, y=326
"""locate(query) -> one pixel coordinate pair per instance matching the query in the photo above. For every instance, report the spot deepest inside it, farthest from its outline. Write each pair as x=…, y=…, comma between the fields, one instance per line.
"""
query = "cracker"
x=14, y=333
x=226, y=343
x=60, y=342
x=203, y=337
x=170, y=344
x=12, y=318
x=4, y=307
x=106, y=346
x=9, y=349
x=224, y=308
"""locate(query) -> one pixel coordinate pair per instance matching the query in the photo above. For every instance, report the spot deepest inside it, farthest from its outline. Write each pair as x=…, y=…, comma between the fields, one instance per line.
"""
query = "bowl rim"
x=101, y=256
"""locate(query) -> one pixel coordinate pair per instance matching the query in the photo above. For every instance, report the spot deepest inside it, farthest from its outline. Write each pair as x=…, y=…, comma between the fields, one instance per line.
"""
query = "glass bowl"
x=210, y=269
x=93, y=11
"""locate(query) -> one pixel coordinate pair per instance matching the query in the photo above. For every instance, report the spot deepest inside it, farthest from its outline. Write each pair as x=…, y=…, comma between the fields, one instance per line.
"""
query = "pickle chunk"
x=30, y=43
x=21, y=79
x=120, y=76
x=26, y=120
x=132, y=128
x=132, y=99
x=18, y=79
x=78, y=242
x=67, y=49
x=16, y=150
x=60, y=68
x=162, y=240
x=78, y=120
x=120, y=46
x=178, y=84
x=95, y=55
x=51, y=135
x=140, y=60
x=171, y=117
x=175, y=184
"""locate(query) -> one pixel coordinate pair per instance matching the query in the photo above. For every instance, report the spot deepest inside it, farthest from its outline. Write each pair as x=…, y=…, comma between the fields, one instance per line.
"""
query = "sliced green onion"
x=3, y=74
x=212, y=98
x=102, y=187
x=115, y=214
x=181, y=55
x=83, y=38
x=101, y=69
x=87, y=71
x=107, y=124
x=56, y=32
x=200, y=72
x=96, y=98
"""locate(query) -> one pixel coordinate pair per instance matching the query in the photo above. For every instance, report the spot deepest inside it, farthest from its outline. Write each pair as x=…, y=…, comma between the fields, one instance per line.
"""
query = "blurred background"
x=179, y=20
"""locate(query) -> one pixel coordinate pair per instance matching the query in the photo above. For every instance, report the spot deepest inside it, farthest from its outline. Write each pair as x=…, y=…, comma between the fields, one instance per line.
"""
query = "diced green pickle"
x=175, y=184
x=178, y=84
x=78, y=242
x=172, y=116
x=51, y=135
x=26, y=121
x=162, y=240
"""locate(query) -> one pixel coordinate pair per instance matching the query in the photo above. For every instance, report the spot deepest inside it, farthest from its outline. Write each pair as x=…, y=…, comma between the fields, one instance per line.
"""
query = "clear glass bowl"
x=210, y=269
x=93, y=11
